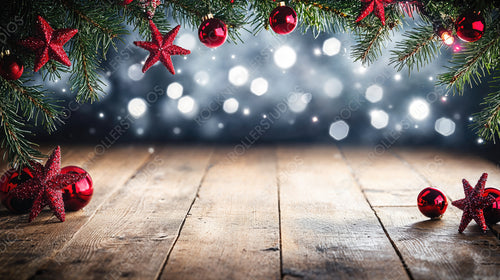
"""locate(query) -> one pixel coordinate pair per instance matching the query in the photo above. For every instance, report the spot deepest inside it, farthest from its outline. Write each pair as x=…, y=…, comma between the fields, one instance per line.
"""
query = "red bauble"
x=11, y=68
x=283, y=19
x=470, y=27
x=212, y=32
x=10, y=180
x=77, y=195
x=432, y=203
x=492, y=214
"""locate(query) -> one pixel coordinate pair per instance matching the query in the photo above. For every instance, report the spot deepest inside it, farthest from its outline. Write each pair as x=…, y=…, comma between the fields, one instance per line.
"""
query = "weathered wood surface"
x=297, y=212
x=232, y=231
x=327, y=227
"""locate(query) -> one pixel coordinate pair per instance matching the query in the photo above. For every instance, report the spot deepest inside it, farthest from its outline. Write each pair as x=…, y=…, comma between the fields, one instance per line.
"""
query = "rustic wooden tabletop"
x=286, y=212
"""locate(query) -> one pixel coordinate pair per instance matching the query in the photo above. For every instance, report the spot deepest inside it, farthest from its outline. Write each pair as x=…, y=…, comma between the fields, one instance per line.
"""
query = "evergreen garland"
x=101, y=26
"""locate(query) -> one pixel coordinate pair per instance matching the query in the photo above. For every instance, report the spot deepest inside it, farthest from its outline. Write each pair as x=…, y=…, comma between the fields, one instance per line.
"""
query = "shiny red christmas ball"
x=470, y=27
x=212, y=32
x=283, y=19
x=432, y=203
x=10, y=180
x=11, y=68
x=78, y=195
x=492, y=213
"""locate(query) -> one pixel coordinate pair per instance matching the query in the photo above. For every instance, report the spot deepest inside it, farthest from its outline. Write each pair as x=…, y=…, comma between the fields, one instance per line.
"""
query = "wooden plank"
x=30, y=245
x=446, y=171
x=435, y=250
x=328, y=230
x=130, y=235
x=232, y=231
x=385, y=179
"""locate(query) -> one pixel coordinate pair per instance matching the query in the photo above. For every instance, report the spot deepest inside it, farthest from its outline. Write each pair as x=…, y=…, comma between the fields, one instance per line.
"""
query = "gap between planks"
x=393, y=244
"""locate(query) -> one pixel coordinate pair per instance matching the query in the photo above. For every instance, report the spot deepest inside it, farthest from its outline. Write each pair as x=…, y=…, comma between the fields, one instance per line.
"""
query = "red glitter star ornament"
x=473, y=204
x=46, y=185
x=375, y=6
x=161, y=48
x=50, y=45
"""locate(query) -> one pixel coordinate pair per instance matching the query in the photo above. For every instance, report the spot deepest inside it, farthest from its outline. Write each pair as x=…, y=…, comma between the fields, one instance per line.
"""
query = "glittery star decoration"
x=375, y=6
x=50, y=44
x=161, y=48
x=473, y=204
x=46, y=185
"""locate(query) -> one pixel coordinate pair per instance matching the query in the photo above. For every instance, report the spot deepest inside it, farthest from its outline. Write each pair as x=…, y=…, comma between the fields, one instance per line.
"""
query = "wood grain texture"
x=435, y=250
x=446, y=171
x=328, y=230
x=130, y=235
x=30, y=245
x=385, y=179
x=232, y=231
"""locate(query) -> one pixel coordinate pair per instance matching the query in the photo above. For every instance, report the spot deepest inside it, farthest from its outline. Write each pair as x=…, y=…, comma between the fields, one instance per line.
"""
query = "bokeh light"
x=374, y=93
x=285, y=57
x=445, y=126
x=339, y=130
x=135, y=72
x=174, y=90
x=238, y=75
x=259, y=86
x=186, y=105
x=379, y=119
x=136, y=107
x=419, y=109
x=230, y=106
x=333, y=87
x=331, y=46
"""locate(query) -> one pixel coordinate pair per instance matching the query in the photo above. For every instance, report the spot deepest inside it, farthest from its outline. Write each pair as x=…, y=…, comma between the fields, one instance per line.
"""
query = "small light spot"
x=230, y=106
x=314, y=119
x=339, y=130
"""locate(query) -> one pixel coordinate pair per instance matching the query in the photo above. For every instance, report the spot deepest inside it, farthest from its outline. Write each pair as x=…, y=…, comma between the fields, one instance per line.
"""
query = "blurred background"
x=271, y=88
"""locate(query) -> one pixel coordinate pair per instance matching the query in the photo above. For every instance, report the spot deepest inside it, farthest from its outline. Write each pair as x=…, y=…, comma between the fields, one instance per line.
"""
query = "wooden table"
x=286, y=212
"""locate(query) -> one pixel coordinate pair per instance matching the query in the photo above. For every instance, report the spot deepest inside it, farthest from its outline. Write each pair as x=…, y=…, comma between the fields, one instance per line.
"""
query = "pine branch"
x=487, y=122
x=416, y=50
x=33, y=103
x=18, y=150
x=372, y=37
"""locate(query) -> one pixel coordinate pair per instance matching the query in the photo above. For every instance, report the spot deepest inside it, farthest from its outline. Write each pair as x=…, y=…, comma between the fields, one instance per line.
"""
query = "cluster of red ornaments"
x=480, y=204
x=213, y=32
x=31, y=189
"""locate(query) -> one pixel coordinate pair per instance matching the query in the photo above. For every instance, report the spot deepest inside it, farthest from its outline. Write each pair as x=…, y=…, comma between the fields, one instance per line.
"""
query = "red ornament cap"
x=470, y=27
x=77, y=195
x=49, y=44
x=432, y=203
x=11, y=68
x=161, y=48
x=212, y=32
x=473, y=204
x=283, y=19
x=492, y=213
